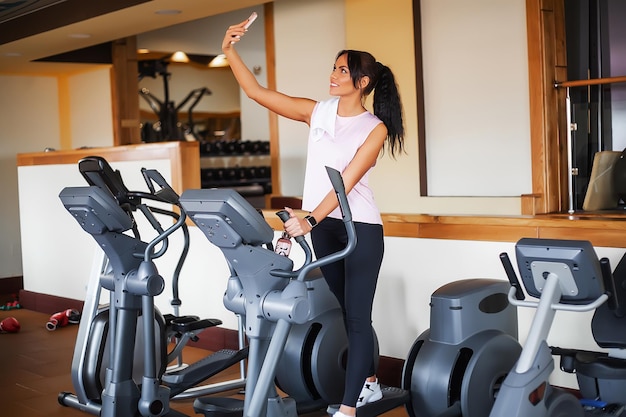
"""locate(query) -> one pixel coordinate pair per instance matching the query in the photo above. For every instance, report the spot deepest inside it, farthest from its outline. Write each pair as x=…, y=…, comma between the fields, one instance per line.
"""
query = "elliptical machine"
x=271, y=296
x=447, y=375
x=120, y=357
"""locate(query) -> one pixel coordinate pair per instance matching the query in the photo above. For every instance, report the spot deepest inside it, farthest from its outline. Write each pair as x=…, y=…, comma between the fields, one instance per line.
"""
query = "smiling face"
x=343, y=82
x=340, y=81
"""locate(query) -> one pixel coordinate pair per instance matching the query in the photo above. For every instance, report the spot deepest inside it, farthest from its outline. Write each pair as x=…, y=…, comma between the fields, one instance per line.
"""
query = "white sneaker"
x=371, y=392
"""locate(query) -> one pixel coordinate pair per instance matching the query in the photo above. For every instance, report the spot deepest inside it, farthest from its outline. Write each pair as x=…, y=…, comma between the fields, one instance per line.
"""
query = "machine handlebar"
x=340, y=190
x=284, y=216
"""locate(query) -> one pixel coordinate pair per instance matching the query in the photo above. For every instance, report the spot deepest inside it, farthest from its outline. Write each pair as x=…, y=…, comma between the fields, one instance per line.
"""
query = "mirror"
x=203, y=106
x=207, y=102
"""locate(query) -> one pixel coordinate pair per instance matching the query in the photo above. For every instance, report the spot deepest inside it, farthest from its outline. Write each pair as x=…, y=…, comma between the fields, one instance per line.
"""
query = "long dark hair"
x=387, y=104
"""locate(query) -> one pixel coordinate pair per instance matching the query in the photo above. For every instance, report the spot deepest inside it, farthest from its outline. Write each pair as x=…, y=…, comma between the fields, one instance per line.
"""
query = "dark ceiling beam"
x=59, y=15
x=96, y=54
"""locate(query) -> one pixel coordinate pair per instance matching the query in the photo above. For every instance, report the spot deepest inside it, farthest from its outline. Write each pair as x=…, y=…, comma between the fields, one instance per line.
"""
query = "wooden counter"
x=601, y=229
x=57, y=255
x=184, y=158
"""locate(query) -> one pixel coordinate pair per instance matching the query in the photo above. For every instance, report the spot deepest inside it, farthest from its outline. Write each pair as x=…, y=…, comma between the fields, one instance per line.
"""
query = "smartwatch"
x=311, y=221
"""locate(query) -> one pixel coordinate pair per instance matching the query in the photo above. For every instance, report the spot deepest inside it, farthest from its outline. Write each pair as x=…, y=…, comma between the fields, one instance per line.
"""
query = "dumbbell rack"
x=243, y=165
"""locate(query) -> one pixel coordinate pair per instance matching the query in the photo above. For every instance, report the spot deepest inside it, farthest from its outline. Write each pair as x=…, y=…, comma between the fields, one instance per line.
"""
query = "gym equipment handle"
x=308, y=253
x=511, y=275
x=340, y=190
x=284, y=216
x=166, y=192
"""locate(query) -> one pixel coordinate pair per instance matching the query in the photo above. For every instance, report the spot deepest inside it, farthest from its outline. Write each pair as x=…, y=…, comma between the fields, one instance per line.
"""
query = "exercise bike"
x=448, y=374
x=120, y=357
x=601, y=376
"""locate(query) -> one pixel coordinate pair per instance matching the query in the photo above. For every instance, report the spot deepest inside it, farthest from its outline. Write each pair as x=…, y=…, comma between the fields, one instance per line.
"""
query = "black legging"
x=353, y=281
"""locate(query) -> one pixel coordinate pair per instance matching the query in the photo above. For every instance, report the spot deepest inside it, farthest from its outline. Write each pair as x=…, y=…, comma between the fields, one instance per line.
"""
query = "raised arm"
x=295, y=108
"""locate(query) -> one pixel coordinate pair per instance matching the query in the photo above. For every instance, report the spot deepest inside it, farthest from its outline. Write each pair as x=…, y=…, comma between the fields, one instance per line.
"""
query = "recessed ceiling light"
x=180, y=56
x=79, y=36
x=168, y=11
x=219, y=61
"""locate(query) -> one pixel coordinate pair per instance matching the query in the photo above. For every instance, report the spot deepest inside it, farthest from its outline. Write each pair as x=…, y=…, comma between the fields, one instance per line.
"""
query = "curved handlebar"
x=308, y=254
x=340, y=191
x=165, y=192
x=284, y=216
x=558, y=306
x=163, y=235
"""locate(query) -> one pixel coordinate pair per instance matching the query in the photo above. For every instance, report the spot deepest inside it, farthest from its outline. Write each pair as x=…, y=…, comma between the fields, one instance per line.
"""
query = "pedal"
x=218, y=407
x=392, y=398
x=188, y=324
x=203, y=369
x=609, y=410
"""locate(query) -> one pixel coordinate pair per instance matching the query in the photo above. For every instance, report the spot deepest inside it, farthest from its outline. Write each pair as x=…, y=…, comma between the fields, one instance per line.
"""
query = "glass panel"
x=597, y=117
x=596, y=41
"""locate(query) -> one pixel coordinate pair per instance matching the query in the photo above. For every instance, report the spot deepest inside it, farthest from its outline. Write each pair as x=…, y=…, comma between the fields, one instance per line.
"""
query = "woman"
x=346, y=136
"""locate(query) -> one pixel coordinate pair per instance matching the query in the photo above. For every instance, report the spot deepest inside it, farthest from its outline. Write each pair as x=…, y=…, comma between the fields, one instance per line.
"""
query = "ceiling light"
x=143, y=50
x=219, y=61
x=179, y=56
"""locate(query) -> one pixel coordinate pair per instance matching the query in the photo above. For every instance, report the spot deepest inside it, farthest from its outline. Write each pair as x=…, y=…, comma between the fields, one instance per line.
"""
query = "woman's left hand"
x=296, y=226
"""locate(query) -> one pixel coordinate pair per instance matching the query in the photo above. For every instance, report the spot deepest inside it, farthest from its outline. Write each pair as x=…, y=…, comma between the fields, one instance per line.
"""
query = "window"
x=595, y=40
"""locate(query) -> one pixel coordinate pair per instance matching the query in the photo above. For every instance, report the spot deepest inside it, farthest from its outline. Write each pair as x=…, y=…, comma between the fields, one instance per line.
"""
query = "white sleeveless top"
x=333, y=142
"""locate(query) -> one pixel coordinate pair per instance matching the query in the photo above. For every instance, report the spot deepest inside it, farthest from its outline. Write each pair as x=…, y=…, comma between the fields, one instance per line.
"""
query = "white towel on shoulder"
x=323, y=119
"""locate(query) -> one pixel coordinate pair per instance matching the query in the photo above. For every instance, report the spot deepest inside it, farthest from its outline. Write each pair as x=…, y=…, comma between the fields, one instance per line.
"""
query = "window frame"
x=547, y=65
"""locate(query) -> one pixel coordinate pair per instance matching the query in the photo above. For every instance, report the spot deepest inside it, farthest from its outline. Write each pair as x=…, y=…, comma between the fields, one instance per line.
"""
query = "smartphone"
x=251, y=20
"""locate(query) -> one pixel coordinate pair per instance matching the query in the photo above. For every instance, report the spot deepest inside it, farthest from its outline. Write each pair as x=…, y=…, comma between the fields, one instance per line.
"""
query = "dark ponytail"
x=387, y=104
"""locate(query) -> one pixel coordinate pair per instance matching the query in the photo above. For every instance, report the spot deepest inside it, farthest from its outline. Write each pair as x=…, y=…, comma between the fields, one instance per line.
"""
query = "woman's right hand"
x=299, y=109
x=233, y=35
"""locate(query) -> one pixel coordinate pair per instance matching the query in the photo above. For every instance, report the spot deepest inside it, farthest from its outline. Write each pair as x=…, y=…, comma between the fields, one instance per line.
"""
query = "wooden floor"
x=35, y=368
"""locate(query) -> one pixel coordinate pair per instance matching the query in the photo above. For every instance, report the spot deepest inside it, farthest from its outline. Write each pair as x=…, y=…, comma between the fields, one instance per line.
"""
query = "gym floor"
x=35, y=366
